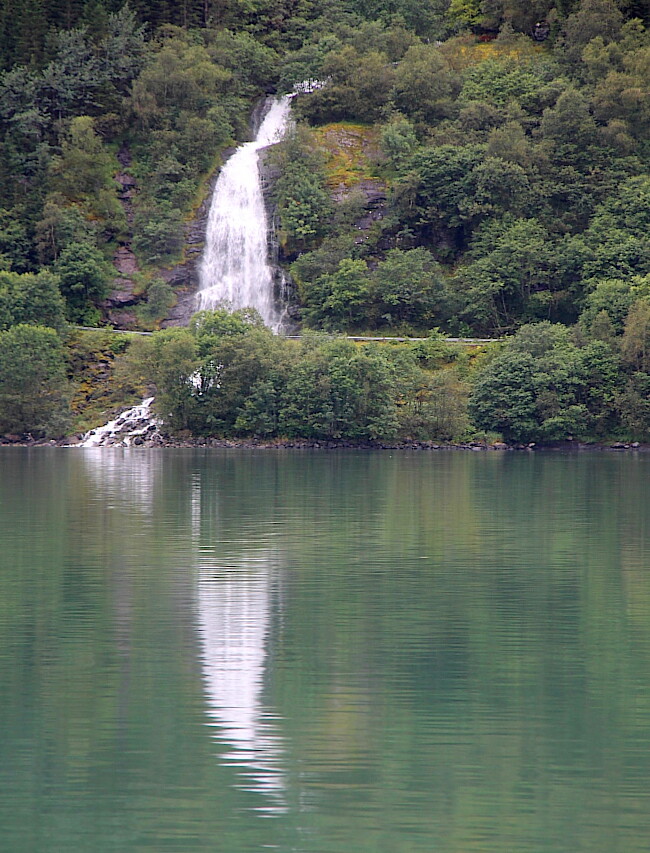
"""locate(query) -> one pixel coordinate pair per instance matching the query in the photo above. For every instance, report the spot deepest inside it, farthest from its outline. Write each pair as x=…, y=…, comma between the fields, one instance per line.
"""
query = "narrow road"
x=300, y=337
x=367, y=338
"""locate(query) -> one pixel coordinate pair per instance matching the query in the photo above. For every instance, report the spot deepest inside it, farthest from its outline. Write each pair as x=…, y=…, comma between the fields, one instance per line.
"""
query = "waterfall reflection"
x=235, y=593
x=125, y=477
x=234, y=623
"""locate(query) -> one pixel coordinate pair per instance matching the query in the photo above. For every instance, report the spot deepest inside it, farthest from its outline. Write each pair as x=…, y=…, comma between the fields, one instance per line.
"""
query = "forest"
x=467, y=168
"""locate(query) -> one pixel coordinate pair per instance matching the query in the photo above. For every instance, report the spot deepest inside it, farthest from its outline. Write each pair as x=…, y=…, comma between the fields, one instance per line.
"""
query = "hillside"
x=467, y=169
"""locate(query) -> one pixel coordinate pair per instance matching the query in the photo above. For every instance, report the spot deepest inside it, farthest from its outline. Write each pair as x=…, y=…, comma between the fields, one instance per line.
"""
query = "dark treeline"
x=508, y=141
x=29, y=27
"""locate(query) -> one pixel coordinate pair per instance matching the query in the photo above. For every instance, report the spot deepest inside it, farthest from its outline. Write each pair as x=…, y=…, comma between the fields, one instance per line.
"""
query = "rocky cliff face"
x=285, y=290
x=184, y=277
x=123, y=294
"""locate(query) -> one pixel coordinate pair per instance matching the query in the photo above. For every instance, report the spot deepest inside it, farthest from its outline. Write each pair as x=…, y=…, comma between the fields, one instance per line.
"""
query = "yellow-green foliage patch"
x=99, y=390
x=464, y=51
x=351, y=153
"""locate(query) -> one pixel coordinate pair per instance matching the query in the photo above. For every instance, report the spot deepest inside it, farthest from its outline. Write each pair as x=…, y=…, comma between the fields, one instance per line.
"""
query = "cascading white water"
x=234, y=611
x=126, y=429
x=235, y=269
x=237, y=606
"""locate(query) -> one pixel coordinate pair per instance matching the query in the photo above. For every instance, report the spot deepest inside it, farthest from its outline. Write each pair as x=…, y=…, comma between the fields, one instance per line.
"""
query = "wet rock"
x=181, y=313
x=195, y=233
x=125, y=181
x=541, y=31
x=180, y=275
x=125, y=262
x=122, y=319
x=123, y=293
x=257, y=117
x=124, y=156
x=184, y=277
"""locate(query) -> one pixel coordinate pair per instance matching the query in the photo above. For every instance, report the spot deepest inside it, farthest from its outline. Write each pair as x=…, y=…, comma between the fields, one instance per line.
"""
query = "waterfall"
x=132, y=426
x=235, y=269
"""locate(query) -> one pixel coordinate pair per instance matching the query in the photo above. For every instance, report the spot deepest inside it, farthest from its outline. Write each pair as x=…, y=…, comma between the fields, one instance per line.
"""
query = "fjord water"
x=225, y=650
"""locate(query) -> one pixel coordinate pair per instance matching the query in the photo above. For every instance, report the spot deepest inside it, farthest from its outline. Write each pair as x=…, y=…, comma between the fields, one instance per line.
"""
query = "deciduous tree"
x=33, y=385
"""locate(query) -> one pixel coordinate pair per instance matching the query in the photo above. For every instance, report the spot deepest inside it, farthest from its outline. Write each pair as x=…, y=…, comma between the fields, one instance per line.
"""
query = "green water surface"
x=324, y=652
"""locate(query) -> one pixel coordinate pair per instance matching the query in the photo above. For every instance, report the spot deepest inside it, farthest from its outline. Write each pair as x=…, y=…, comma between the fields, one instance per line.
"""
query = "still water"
x=345, y=652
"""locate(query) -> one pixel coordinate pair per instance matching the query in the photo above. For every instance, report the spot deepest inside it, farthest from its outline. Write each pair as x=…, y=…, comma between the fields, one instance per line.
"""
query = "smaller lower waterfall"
x=235, y=269
x=129, y=427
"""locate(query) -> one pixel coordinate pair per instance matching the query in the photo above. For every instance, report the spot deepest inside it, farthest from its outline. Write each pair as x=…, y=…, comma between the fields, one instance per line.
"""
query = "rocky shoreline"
x=161, y=441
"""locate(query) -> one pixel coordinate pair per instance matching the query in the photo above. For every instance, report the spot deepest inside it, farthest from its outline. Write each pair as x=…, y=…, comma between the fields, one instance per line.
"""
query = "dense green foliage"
x=33, y=383
x=521, y=168
x=229, y=375
x=29, y=298
x=544, y=387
